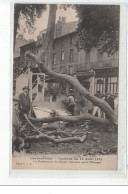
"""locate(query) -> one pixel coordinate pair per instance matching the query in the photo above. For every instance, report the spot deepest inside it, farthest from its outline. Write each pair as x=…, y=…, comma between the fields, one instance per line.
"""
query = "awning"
x=84, y=73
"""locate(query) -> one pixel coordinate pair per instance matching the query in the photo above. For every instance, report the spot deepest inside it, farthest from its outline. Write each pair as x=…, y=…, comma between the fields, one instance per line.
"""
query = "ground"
x=100, y=140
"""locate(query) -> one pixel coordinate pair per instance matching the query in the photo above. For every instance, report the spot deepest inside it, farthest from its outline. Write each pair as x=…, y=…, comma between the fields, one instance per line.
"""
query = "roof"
x=69, y=27
x=62, y=29
x=65, y=28
x=20, y=41
x=32, y=42
x=65, y=35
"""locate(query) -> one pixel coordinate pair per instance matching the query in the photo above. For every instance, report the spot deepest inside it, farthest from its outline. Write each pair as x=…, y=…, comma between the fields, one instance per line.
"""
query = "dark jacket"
x=110, y=101
x=24, y=103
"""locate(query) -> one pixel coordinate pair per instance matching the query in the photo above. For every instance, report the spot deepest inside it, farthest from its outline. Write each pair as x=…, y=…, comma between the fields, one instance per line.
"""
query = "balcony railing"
x=98, y=65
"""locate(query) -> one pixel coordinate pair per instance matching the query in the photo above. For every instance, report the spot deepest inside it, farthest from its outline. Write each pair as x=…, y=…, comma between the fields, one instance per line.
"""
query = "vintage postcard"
x=65, y=86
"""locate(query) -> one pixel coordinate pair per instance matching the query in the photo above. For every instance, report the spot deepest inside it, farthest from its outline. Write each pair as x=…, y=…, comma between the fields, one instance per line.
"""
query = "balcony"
x=105, y=64
x=97, y=65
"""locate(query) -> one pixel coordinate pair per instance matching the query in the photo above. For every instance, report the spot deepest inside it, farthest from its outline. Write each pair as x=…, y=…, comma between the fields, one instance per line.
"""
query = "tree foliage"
x=29, y=12
x=98, y=25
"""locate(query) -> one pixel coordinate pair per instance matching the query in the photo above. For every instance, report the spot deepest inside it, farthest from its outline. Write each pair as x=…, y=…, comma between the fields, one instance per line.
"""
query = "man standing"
x=16, y=122
x=24, y=102
x=109, y=99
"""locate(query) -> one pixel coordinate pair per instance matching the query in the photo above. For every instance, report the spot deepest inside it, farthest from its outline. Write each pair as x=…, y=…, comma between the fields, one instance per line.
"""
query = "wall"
x=64, y=44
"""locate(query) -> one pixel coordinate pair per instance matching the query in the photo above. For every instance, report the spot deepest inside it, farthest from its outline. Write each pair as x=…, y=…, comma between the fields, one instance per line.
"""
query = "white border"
x=47, y=177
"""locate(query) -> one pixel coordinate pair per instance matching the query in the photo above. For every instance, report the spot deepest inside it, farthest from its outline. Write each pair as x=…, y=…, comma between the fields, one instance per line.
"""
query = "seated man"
x=83, y=102
x=70, y=101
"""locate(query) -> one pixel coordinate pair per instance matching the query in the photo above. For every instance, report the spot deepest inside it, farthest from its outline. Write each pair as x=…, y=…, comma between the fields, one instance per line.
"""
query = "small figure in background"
x=116, y=103
x=83, y=104
x=54, y=97
x=96, y=109
x=110, y=100
x=102, y=112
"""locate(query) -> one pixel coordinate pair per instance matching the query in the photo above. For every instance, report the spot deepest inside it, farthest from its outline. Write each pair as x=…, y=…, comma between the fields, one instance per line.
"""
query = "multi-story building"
x=94, y=70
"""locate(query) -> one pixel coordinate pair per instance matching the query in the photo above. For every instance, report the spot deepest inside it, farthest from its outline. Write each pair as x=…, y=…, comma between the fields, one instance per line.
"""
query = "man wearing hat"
x=24, y=102
x=16, y=122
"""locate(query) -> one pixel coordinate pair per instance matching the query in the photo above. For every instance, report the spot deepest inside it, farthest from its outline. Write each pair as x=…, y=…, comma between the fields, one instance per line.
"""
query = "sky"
x=41, y=23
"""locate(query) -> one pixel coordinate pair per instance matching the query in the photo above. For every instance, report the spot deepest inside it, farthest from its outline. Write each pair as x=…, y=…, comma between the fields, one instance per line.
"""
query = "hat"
x=16, y=98
x=26, y=87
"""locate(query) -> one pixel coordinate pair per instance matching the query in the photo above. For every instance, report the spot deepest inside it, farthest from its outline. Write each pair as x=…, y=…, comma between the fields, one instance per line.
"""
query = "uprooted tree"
x=84, y=92
x=72, y=80
x=112, y=117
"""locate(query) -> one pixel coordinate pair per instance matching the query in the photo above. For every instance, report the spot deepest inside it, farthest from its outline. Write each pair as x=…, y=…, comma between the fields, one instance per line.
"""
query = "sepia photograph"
x=65, y=86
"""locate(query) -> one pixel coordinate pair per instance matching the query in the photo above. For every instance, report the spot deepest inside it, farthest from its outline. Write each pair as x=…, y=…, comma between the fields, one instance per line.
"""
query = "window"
x=71, y=55
x=112, y=85
x=63, y=70
x=71, y=40
x=99, y=56
x=100, y=84
x=106, y=84
x=62, y=43
x=54, y=59
x=87, y=58
x=70, y=70
x=93, y=55
x=54, y=45
x=62, y=56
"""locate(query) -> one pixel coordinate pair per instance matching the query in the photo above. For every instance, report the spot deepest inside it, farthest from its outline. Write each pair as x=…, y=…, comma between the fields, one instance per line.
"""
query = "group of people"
x=111, y=99
x=21, y=106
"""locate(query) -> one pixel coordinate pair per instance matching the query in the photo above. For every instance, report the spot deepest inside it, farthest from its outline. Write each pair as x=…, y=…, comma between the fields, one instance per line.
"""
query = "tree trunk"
x=16, y=17
x=51, y=23
x=96, y=101
x=52, y=139
x=72, y=119
x=74, y=81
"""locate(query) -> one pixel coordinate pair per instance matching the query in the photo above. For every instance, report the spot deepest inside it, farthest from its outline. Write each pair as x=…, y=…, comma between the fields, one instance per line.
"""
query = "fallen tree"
x=50, y=138
x=69, y=79
x=83, y=91
x=73, y=119
x=39, y=134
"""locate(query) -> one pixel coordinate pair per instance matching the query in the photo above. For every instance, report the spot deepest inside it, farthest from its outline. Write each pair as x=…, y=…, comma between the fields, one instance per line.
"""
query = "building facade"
x=95, y=71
